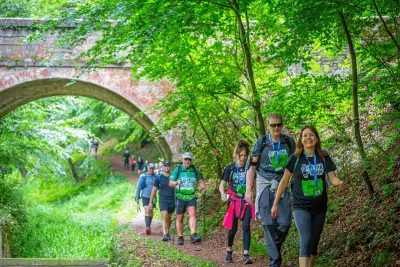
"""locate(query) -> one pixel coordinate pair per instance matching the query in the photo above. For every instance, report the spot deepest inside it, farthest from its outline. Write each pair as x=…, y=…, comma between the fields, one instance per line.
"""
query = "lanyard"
x=241, y=181
x=273, y=147
x=313, y=169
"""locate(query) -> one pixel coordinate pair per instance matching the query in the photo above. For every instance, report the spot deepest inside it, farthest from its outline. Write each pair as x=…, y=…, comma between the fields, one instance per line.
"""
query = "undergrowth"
x=130, y=249
x=68, y=220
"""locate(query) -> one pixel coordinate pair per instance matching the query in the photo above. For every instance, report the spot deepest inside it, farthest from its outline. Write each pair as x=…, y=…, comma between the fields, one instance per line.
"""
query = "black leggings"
x=245, y=228
x=310, y=228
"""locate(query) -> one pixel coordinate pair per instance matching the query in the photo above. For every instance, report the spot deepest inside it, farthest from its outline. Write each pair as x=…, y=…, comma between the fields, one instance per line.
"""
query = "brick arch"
x=27, y=85
x=33, y=70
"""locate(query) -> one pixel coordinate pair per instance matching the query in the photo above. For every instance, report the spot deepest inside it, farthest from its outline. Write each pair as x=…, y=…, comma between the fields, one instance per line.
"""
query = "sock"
x=150, y=218
x=147, y=220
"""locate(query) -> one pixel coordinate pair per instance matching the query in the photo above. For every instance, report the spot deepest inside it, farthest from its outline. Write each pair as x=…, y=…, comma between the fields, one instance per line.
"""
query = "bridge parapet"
x=30, y=71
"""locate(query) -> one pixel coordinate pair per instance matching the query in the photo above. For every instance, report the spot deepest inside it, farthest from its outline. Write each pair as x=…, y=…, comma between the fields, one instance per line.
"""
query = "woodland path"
x=211, y=249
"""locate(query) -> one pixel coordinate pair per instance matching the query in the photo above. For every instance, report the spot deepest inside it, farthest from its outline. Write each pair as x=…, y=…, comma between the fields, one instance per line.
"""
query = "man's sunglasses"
x=273, y=125
x=188, y=159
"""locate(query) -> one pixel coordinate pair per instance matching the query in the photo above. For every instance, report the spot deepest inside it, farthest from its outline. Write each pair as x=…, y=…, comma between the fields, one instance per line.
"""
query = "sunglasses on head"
x=188, y=159
x=273, y=125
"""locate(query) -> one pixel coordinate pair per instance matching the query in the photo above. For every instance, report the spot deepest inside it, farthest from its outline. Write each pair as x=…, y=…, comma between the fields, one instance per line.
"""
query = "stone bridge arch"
x=28, y=72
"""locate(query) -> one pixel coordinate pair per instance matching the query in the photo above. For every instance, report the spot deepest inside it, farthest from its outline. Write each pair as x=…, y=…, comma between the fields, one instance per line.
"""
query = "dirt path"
x=209, y=249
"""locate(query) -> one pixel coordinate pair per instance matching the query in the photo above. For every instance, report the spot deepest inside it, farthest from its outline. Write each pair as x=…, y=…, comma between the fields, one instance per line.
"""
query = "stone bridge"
x=30, y=71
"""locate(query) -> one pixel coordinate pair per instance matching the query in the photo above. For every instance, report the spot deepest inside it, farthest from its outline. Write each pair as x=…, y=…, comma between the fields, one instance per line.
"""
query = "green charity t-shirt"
x=310, y=190
x=189, y=181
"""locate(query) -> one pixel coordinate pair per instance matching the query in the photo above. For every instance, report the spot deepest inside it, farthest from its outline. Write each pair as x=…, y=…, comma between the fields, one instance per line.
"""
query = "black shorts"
x=182, y=205
x=146, y=202
x=168, y=205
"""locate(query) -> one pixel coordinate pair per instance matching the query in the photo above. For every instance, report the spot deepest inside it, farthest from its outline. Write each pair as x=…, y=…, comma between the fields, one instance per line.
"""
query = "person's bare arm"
x=202, y=185
x=250, y=181
x=222, y=191
x=281, y=188
x=152, y=196
x=335, y=180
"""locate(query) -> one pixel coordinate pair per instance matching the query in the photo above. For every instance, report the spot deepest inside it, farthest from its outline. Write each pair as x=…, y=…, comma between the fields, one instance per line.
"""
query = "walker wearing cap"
x=166, y=198
x=187, y=155
x=185, y=179
x=143, y=191
x=151, y=165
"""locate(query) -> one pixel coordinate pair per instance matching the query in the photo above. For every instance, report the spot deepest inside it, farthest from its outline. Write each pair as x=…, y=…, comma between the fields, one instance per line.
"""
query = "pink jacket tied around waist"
x=236, y=208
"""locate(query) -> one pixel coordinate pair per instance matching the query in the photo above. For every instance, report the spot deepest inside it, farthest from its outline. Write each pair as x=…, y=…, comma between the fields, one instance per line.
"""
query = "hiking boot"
x=148, y=231
x=168, y=237
x=180, y=240
x=246, y=259
x=165, y=238
x=194, y=238
x=228, y=256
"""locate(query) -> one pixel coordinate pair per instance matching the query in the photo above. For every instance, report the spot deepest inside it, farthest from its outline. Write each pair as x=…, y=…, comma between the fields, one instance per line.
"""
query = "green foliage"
x=11, y=204
x=381, y=259
x=80, y=227
x=33, y=8
x=130, y=249
x=91, y=171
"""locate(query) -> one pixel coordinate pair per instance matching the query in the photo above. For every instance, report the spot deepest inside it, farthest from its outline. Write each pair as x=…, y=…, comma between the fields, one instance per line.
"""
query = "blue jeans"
x=310, y=227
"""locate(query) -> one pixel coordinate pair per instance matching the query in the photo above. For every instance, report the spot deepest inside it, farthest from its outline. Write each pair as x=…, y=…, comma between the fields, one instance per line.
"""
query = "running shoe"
x=148, y=231
x=246, y=259
x=228, y=256
x=194, y=238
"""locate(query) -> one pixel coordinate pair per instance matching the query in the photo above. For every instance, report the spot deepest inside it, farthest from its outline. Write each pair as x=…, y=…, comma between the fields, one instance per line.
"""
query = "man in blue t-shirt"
x=167, y=199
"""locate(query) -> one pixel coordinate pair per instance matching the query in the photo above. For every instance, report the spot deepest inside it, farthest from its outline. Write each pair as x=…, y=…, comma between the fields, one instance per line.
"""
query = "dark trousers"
x=275, y=230
x=245, y=228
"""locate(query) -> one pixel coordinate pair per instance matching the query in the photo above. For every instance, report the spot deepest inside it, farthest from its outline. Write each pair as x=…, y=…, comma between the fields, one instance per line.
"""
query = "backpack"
x=192, y=167
x=264, y=144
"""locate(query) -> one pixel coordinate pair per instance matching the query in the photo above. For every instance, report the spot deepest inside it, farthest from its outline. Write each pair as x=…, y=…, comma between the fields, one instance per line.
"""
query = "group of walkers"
x=142, y=166
x=285, y=175
x=177, y=192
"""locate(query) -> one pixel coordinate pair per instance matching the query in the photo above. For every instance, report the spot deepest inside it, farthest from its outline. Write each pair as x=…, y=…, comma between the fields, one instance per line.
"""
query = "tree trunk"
x=72, y=170
x=357, y=133
x=387, y=30
x=218, y=158
x=244, y=40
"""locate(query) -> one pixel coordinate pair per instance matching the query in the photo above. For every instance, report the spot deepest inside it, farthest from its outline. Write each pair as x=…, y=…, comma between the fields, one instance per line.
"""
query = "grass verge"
x=130, y=249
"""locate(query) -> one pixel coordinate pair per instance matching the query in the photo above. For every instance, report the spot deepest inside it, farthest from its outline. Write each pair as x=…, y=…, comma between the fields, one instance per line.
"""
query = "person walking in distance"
x=310, y=166
x=235, y=175
x=143, y=191
x=140, y=165
x=132, y=162
x=126, y=157
x=269, y=157
x=166, y=199
x=185, y=178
